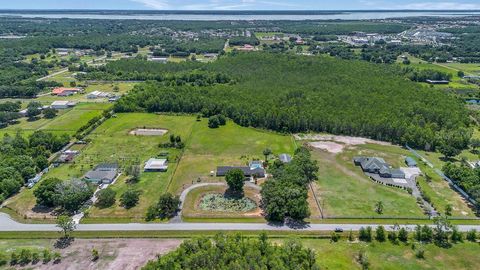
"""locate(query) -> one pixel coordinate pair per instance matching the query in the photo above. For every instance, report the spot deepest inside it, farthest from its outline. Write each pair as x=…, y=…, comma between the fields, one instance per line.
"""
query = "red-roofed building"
x=63, y=92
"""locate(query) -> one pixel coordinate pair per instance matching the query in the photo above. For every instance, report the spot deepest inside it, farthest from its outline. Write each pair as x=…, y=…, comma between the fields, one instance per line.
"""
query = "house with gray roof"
x=104, y=173
x=247, y=171
x=410, y=162
x=378, y=166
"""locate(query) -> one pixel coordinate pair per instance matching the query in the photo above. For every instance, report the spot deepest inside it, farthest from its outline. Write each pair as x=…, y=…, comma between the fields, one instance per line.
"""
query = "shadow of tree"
x=63, y=242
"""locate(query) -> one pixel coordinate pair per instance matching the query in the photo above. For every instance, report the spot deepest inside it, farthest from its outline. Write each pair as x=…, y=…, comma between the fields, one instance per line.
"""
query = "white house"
x=156, y=165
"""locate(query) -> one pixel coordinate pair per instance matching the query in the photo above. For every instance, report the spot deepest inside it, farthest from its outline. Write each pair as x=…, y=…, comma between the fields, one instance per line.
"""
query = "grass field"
x=342, y=255
x=228, y=145
x=66, y=122
x=344, y=190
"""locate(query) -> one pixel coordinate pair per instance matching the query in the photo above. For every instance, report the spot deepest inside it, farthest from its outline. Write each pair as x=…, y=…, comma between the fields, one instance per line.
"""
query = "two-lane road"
x=9, y=225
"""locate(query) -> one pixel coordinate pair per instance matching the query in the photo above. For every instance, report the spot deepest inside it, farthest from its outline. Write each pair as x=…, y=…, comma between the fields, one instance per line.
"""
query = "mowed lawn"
x=344, y=191
x=383, y=256
x=228, y=145
x=111, y=142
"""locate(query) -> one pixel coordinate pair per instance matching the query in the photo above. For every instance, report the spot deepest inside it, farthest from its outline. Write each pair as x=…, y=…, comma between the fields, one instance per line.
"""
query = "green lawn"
x=345, y=191
x=228, y=145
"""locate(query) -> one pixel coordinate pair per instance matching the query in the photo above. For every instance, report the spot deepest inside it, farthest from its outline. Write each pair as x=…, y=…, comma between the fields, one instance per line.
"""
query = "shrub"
x=334, y=237
x=46, y=256
x=472, y=236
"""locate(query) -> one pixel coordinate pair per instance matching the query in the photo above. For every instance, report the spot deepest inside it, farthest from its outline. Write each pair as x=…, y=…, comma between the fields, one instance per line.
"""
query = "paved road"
x=9, y=225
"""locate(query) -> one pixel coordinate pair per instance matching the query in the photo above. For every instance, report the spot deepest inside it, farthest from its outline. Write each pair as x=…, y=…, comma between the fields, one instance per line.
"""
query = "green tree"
x=472, y=235
x=106, y=198
x=33, y=110
x=213, y=122
x=46, y=192
x=403, y=235
x=456, y=236
x=66, y=224
x=72, y=194
x=380, y=234
x=448, y=210
x=130, y=198
x=379, y=207
x=235, y=180
x=50, y=113
x=440, y=235
x=267, y=152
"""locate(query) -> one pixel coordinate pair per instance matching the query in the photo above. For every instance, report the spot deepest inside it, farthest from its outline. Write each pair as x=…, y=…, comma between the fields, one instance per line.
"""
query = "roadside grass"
x=344, y=190
x=192, y=209
x=342, y=255
x=228, y=145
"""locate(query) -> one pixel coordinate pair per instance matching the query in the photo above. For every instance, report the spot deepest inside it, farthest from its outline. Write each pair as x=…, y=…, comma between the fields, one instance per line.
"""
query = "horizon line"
x=250, y=10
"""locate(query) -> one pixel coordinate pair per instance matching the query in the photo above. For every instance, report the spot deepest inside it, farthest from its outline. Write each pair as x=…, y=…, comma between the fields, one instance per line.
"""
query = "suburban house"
x=378, y=166
x=247, y=48
x=285, y=158
x=67, y=156
x=156, y=165
x=256, y=164
x=59, y=104
x=65, y=92
x=102, y=174
x=247, y=171
x=97, y=94
x=410, y=162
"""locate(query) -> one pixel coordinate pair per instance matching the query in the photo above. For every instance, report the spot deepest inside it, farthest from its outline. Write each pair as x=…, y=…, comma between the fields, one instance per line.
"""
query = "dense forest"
x=290, y=93
x=21, y=158
x=236, y=252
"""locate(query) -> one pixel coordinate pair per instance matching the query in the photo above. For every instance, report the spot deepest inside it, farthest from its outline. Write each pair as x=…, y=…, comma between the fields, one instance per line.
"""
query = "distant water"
x=232, y=16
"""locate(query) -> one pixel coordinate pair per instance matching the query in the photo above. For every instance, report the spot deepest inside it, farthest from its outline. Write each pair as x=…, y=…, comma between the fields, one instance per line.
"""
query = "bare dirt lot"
x=114, y=254
x=148, y=132
x=334, y=144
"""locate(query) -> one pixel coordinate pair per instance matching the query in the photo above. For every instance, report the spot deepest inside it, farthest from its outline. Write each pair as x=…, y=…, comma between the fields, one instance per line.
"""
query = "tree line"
x=290, y=93
x=236, y=252
x=21, y=158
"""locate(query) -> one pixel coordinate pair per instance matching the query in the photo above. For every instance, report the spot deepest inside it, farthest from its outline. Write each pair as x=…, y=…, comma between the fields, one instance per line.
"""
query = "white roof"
x=95, y=93
x=60, y=103
x=154, y=163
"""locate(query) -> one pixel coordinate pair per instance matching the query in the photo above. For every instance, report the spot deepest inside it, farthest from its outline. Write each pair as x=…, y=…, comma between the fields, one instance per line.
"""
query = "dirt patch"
x=114, y=253
x=148, y=132
x=330, y=147
x=341, y=139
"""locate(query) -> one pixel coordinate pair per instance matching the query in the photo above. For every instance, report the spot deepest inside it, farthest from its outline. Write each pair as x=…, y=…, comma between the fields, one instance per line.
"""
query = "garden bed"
x=224, y=203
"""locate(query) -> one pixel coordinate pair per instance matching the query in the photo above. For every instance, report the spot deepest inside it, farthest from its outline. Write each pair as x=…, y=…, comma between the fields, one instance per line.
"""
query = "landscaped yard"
x=193, y=208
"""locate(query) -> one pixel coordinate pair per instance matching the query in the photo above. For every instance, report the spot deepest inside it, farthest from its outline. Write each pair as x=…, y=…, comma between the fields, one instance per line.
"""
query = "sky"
x=241, y=4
